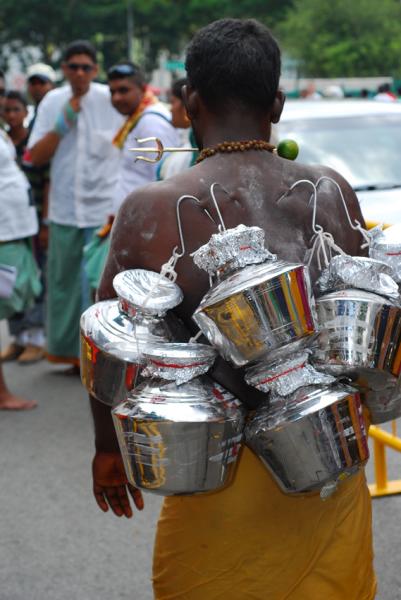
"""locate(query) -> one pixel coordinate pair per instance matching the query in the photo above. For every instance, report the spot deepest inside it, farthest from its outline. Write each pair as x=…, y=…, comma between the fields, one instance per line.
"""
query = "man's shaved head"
x=234, y=62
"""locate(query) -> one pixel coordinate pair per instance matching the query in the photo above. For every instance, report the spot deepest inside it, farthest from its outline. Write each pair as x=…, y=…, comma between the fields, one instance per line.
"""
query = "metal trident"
x=159, y=149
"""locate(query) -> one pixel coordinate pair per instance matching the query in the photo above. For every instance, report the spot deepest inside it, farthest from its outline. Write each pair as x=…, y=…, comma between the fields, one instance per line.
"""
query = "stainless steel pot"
x=258, y=309
x=386, y=247
x=114, y=333
x=361, y=331
x=380, y=393
x=258, y=303
x=313, y=441
x=179, y=439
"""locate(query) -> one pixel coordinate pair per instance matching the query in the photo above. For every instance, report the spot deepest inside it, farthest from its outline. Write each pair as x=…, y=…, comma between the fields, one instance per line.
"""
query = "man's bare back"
x=146, y=231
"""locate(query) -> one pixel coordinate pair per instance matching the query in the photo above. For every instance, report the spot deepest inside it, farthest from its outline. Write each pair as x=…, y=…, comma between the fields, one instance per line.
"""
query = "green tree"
x=158, y=24
x=343, y=37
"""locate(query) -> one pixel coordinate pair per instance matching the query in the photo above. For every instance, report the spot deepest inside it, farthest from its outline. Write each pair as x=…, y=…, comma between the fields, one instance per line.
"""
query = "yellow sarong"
x=253, y=542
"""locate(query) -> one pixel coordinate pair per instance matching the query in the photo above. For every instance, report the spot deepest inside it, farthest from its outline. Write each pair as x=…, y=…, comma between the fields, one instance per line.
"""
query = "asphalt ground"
x=55, y=544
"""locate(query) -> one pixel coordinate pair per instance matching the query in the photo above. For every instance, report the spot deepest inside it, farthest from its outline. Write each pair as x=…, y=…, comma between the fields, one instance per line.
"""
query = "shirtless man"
x=250, y=540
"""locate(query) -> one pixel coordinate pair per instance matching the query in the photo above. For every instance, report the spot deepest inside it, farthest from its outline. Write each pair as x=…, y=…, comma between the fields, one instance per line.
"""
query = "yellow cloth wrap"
x=253, y=542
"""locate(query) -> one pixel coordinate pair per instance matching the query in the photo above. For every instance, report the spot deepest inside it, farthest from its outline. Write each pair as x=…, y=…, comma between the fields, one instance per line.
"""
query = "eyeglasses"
x=122, y=71
x=76, y=67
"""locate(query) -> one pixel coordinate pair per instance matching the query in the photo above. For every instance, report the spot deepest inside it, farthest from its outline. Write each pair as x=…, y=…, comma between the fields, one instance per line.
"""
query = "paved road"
x=56, y=545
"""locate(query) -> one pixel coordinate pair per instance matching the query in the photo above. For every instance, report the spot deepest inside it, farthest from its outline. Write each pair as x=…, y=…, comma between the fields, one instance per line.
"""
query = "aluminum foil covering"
x=385, y=245
x=361, y=273
x=147, y=291
x=178, y=362
x=234, y=248
x=283, y=377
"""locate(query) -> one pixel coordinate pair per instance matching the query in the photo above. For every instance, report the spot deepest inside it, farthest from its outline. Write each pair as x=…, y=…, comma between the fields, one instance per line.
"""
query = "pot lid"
x=147, y=291
x=356, y=295
x=283, y=377
x=361, y=273
x=178, y=362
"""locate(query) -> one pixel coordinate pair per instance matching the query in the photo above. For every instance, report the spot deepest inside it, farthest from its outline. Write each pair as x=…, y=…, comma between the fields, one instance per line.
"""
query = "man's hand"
x=43, y=236
x=110, y=485
x=75, y=103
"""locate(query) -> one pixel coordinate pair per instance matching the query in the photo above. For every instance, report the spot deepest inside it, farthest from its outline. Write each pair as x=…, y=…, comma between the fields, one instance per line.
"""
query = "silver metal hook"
x=357, y=226
x=177, y=254
x=222, y=225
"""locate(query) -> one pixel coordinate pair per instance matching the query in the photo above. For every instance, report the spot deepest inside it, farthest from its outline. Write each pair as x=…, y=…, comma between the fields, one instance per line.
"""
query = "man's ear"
x=190, y=98
x=278, y=106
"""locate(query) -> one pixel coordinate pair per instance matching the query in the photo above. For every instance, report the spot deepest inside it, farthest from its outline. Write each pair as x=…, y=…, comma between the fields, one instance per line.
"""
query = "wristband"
x=65, y=120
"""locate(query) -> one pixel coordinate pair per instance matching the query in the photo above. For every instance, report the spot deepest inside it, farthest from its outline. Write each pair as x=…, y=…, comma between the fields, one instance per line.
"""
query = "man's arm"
x=110, y=484
x=42, y=147
x=42, y=152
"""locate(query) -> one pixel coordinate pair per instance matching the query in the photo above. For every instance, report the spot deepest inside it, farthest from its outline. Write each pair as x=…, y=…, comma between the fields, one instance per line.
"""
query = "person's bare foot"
x=10, y=402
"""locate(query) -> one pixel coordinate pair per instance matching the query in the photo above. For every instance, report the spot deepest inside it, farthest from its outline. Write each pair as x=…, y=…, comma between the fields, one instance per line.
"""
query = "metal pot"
x=311, y=441
x=258, y=309
x=258, y=303
x=179, y=439
x=386, y=246
x=380, y=393
x=361, y=331
x=114, y=333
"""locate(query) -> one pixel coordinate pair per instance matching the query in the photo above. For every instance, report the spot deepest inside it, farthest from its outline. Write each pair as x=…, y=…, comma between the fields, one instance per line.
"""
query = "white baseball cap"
x=42, y=71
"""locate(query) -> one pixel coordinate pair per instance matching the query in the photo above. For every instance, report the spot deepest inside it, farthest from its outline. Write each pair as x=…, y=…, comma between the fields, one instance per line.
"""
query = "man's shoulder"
x=161, y=193
x=99, y=89
x=60, y=92
x=158, y=109
x=295, y=171
x=55, y=97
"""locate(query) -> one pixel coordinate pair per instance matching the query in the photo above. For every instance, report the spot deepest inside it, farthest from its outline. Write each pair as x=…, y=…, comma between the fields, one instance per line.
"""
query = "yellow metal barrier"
x=381, y=439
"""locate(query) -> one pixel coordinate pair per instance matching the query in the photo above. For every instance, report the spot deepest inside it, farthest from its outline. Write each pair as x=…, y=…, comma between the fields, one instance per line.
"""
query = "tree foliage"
x=158, y=24
x=343, y=38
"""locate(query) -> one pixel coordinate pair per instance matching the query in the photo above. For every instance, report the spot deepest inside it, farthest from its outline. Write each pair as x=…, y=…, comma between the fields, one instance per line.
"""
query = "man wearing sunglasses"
x=145, y=117
x=74, y=128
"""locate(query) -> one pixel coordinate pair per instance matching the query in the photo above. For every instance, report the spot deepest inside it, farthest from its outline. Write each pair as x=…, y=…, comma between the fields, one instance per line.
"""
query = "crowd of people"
x=74, y=158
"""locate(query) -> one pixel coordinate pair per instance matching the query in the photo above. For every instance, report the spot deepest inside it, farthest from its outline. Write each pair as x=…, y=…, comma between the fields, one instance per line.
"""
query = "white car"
x=361, y=139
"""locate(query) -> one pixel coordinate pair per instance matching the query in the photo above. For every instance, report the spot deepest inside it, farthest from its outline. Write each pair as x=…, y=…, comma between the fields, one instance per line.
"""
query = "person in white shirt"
x=145, y=117
x=19, y=275
x=74, y=128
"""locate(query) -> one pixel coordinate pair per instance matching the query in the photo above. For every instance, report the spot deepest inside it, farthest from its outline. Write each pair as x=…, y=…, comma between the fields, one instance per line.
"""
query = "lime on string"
x=288, y=149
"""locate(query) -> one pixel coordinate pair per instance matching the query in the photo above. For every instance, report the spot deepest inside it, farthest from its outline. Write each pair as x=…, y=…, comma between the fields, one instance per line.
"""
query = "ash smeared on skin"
x=253, y=189
x=149, y=233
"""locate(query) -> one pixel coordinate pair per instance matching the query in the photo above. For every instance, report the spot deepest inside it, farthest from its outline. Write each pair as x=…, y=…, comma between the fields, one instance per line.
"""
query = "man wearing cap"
x=40, y=80
x=74, y=128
